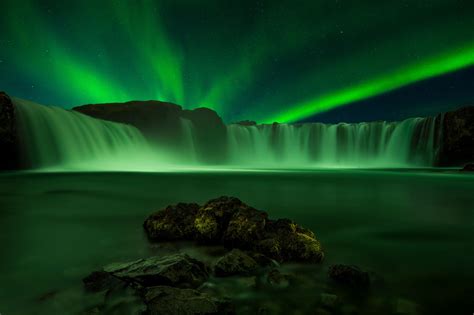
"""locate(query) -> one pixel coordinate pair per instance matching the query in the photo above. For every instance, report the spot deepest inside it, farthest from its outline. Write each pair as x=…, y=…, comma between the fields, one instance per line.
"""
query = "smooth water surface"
x=414, y=228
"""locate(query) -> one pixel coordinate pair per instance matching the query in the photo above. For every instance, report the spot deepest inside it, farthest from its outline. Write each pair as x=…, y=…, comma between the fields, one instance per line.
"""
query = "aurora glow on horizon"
x=260, y=60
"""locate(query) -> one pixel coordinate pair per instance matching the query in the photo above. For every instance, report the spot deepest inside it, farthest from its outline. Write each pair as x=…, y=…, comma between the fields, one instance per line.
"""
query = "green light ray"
x=69, y=74
x=142, y=21
x=427, y=69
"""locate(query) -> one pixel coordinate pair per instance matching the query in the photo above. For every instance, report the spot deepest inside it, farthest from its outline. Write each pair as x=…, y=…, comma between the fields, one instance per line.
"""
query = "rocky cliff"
x=161, y=122
x=457, y=137
x=9, y=148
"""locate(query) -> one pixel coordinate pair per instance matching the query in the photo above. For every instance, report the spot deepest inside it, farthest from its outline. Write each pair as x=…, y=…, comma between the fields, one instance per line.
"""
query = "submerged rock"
x=174, y=301
x=468, y=167
x=175, y=222
x=350, y=276
x=176, y=270
x=100, y=280
x=276, y=279
x=329, y=301
x=286, y=241
x=236, y=262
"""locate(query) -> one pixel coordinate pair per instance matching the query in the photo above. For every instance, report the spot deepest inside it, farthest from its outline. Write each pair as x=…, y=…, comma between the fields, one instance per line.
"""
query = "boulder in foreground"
x=178, y=270
x=235, y=262
x=350, y=276
x=234, y=224
x=175, y=301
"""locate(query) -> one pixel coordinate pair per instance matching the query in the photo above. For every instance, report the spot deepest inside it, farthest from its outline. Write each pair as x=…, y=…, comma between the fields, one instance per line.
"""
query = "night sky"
x=267, y=61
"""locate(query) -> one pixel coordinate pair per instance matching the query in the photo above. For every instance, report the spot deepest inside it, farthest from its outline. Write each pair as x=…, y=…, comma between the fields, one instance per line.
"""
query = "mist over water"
x=410, y=143
x=55, y=138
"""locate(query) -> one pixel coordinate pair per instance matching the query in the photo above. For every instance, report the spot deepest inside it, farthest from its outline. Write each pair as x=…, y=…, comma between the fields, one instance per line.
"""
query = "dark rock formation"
x=350, y=276
x=468, y=167
x=156, y=120
x=210, y=133
x=9, y=142
x=235, y=262
x=175, y=222
x=246, y=225
x=173, y=301
x=100, y=280
x=156, y=285
x=286, y=241
x=177, y=270
x=457, y=137
x=160, y=122
x=213, y=218
x=246, y=123
x=276, y=279
x=229, y=221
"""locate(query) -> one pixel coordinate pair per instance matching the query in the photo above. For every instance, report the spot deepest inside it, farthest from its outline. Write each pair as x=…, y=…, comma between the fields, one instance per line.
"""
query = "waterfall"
x=54, y=136
x=409, y=143
x=189, y=141
x=57, y=138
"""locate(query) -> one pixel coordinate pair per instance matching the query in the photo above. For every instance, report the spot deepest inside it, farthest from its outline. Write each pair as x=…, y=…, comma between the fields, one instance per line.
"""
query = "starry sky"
x=285, y=61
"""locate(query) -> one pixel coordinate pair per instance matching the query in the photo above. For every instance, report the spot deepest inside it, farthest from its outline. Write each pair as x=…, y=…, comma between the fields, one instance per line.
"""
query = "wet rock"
x=100, y=280
x=245, y=226
x=350, y=276
x=276, y=279
x=329, y=301
x=468, y=168
x=457, y=140
x=270, y=247
x=301, y=247
x=286, y=241
x=213, y=218
x=232, y=223
x=175, y=301
x=9, y=142
x=178, y=270
x=175, y=222
x=263, y=261
x=124, y=299
x=236, y=262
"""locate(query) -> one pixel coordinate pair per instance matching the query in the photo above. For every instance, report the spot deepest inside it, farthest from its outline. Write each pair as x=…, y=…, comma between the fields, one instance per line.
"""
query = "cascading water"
x=53, y=137
x=56, y=137
x=189, y=141
x=410, y=143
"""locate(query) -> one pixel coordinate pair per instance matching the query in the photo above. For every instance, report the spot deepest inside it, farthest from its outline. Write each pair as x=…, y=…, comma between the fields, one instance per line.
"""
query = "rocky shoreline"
x=225, y=257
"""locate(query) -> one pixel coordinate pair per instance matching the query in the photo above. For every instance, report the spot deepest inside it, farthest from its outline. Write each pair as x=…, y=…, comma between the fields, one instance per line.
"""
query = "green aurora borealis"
x=261, y=60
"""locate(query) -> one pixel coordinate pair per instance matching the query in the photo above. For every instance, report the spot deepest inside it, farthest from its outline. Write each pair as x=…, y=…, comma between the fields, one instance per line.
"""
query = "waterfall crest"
x=409, y=143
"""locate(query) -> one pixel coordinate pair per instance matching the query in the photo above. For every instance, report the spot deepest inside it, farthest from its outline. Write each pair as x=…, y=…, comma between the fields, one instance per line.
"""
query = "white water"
x=410, y=143
x=56, y=138
x=53, y=136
